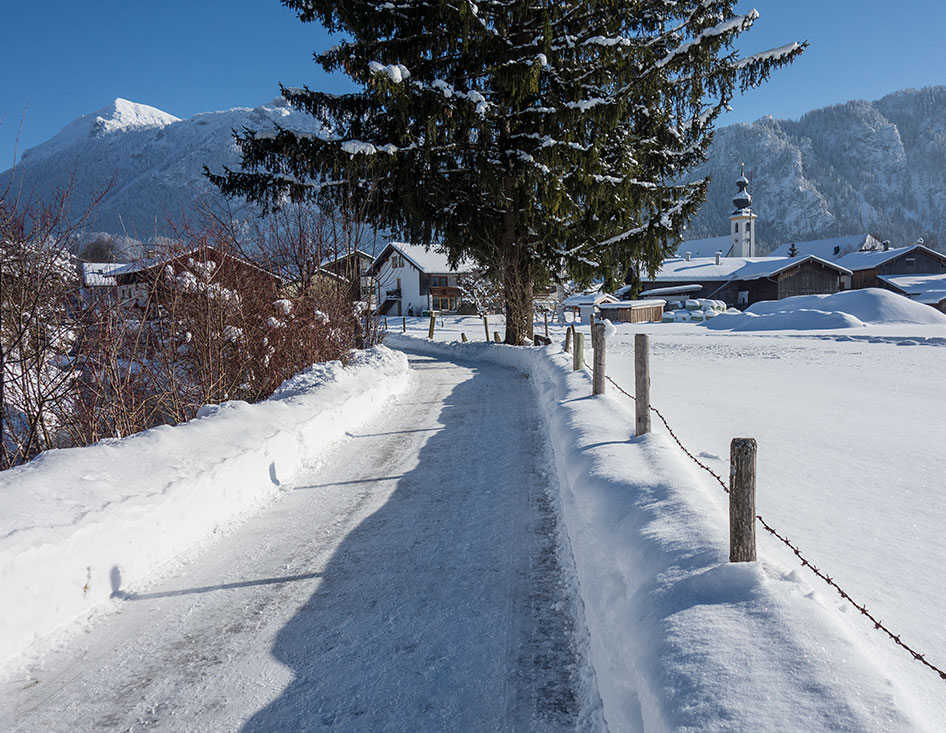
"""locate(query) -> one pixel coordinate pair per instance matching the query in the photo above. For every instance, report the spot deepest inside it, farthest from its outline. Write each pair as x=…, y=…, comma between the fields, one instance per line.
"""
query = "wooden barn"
x=742, y=281
x=870, y=268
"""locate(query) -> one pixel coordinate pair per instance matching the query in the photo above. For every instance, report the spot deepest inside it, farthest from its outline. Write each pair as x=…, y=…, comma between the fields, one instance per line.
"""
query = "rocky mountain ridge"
x=877, y=167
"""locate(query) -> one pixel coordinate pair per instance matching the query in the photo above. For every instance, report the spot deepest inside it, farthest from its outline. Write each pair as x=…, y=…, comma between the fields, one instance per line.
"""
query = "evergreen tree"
x=537, y=138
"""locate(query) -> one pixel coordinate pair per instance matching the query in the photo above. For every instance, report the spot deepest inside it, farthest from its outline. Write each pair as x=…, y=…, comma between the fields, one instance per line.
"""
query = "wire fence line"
x=879, y=625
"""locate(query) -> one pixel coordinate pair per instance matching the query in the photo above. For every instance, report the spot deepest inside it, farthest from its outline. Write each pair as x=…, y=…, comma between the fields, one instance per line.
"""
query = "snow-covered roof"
x=428, y=261
x=701, y=269
x=678, y=269
x=705, y=247
x=869, y=260
x=580, y=299
x=634, y=303
x=825, y=248
x=344, y=255
x=774, y=265
x=149, y=262
x=100, y=274
x=672, y=290
x=930, y=289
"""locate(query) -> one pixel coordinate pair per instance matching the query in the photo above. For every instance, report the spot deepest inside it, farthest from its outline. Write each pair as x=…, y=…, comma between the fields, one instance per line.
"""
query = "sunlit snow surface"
x=851, y=463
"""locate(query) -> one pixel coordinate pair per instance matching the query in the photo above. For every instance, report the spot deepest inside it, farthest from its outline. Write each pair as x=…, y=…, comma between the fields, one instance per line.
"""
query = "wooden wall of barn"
x=809, y=278
x=923, y=263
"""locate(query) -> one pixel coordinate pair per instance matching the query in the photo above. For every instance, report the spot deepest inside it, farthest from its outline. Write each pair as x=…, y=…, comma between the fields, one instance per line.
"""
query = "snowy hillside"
x=152, y=162
x=859, y=166
x=854, y=167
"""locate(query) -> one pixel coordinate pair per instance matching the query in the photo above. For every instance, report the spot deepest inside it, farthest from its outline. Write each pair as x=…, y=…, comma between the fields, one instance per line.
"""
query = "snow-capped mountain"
x=850, y=168
x=878, y=167
x=150, y=162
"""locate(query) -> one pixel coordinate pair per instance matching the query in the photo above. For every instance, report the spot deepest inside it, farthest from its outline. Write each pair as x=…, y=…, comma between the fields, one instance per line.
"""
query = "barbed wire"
x=878, y=625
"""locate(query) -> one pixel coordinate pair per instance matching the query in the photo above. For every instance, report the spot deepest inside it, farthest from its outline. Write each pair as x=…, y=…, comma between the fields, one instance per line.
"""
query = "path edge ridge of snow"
x=192, y=478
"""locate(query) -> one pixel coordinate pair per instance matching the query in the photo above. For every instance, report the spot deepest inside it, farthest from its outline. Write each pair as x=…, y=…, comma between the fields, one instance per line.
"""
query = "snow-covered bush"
x=37, y=333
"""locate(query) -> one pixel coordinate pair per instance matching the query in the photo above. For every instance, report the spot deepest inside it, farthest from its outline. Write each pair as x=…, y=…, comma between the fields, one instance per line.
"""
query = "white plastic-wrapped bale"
x=692, y=305
x=697, y=316
x=667, y=317
x=681, y=315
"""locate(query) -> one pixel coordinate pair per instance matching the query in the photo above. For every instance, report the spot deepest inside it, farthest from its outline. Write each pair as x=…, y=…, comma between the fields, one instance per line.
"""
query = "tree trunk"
x=518, y=273
x=518, y=279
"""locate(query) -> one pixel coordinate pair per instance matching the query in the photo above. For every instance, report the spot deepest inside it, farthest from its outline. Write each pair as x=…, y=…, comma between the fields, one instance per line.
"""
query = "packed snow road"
x=415, y=581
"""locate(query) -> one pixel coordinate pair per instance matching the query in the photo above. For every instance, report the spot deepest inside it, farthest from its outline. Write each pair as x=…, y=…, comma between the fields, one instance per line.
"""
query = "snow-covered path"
x=413, y=582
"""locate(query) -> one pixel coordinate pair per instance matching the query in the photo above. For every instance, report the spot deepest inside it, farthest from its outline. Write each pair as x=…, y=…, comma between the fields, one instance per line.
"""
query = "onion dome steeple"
x=742, y=200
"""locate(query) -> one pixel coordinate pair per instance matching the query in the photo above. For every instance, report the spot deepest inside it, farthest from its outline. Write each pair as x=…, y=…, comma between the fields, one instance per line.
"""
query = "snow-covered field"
x=851, y=431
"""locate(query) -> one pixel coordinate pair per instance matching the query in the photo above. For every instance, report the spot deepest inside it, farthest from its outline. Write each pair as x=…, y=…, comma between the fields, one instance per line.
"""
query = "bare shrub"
x=38, y=337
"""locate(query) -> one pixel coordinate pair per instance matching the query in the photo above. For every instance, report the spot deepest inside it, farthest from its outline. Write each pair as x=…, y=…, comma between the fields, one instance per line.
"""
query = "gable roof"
x=595, y=298
x=772, y=266
x=428, y=261
x=332, y=259
x=868, y=260
x=824, y=248
x=703, y=269
x=168, y=257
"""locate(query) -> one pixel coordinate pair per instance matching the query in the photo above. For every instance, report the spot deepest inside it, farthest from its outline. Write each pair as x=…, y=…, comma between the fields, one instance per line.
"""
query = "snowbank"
x=77, y=525
x=850, y=309
x=680, y=639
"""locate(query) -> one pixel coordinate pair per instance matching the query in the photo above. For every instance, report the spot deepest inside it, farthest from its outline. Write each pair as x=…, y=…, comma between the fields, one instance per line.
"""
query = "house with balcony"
x=412, y=280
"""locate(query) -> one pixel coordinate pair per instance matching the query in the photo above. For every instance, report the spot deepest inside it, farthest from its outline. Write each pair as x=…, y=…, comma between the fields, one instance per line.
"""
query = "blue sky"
x=59, y=60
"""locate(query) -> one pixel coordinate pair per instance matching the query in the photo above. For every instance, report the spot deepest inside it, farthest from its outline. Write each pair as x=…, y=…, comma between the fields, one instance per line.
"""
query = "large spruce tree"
x=537, y=137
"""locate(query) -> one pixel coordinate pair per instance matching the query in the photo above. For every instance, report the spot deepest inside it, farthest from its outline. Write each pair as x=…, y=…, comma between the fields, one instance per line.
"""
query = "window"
x=748, y=227
x=737, y=226
x=444, y=304
x=438, y=280
x=909, y=264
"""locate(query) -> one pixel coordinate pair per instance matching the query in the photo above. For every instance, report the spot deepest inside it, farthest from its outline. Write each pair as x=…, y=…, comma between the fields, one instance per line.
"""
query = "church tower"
x=742, y=222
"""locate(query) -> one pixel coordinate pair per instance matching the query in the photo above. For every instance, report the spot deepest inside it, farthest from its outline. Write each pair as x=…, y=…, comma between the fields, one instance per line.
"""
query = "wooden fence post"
x=578, y=355
x=742, y=457
x=433, y=322
x=404, y=324
x=642, y=383
x=598, y=344
x=463, y=337
x=496, y=337
x=486, y=326
x=545, y=315
x=568, y=340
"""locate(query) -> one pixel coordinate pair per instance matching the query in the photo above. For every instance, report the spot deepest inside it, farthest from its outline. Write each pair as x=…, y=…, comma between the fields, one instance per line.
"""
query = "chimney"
x=688, y=255
x=718, y=255
x=886, y=245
